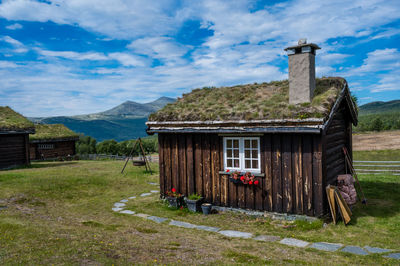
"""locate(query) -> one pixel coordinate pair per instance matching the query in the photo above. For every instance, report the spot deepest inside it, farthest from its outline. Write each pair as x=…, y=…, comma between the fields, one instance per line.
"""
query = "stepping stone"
x=142, y=215
x=119, y=204
x=182, y=224
x=124, y=200
x=127, y=212
x=354, y=250
x=266, y=238
x=154, y=191
x=231, y=233
x=393, y=256
x=326, y=246
x=145, y=194
x=152, y=183
x=294, y=242
x=376, y=250
x=133, y=197
x=157, y=219
x=208, y=228
x=117, y=209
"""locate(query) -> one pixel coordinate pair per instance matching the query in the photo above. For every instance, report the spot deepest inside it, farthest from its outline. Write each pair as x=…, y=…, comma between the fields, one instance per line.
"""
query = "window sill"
x=255, y=174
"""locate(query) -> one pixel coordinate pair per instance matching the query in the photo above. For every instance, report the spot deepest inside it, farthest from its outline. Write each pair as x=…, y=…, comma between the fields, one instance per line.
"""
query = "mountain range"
x=380, y=107
x=123, y=122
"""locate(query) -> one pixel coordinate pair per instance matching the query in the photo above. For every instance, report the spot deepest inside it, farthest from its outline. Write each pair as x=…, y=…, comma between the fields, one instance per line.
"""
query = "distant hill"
x=123, y=122
x=380, y=107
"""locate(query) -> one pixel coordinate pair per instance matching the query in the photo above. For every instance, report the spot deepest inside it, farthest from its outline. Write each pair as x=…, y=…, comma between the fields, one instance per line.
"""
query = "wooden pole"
x=147, y=164
x=130, y=155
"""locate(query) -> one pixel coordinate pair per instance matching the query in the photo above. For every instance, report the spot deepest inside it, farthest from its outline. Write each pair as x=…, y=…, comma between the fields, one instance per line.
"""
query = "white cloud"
x=18, y=47
x=127, y=59
x=15, y=26
x=73, y=55
x=379, y=60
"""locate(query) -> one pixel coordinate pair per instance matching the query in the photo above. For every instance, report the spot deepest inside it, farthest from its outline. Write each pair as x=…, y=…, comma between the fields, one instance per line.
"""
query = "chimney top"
x=302, y=47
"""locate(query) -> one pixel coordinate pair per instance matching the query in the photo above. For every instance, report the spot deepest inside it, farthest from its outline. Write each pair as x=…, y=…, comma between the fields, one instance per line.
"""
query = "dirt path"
x=387, y=140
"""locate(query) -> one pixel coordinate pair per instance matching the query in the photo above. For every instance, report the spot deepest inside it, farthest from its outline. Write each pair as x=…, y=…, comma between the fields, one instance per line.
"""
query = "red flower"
x=250, y=182
x=256, y=182
x=181, y=207
x=227, y=171
x=242, y=178
x=173, y=190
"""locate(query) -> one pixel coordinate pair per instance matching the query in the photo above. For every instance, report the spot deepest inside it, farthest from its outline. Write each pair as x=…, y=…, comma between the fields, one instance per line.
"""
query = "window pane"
x=236, y=163
x=247, y=154
x=247, y=143
x=229, y=153
x=229, y=162
x=247, y=164
x=229, y=143
x=236, y=153
x=254, y=154
x=254, y=164
x=254, y=143
x=236, y=143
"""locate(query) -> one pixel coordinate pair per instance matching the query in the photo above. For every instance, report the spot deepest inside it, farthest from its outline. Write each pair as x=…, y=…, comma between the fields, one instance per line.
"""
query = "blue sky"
x=83, y=56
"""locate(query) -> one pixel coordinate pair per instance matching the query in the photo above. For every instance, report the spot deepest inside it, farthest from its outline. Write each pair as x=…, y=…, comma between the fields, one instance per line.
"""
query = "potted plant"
x=193, y=202
x=174, y=198
x=206, y=208
x=234, y=177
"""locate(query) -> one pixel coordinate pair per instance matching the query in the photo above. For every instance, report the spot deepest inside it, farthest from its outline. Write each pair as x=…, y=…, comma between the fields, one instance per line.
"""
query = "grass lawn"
x=60, y=213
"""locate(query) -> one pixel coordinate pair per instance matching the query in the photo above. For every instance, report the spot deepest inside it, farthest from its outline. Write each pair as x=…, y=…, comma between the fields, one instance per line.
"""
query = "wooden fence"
x=377, y=167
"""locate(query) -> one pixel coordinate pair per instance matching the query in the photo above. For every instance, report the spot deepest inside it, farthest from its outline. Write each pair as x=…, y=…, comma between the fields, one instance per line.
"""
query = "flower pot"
x=194, y=205
x=175, y=202
x=206, y=208
x=235, y=181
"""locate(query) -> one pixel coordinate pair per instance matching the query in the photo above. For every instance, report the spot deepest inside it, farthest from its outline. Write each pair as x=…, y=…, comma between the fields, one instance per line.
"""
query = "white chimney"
x=301, y=71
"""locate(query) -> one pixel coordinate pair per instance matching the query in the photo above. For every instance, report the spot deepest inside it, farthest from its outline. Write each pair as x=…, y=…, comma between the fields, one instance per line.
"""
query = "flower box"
x=194, y=205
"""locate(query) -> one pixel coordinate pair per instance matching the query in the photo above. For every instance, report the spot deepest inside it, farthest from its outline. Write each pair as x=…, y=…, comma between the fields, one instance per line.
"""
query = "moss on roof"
x=55, y=131
x=13, y=121
x=250, y=102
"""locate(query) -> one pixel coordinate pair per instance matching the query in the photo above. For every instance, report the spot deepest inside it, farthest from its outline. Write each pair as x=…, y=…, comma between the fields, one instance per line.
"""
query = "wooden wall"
x=292, y=163
x=61, y=148
x=14, y=150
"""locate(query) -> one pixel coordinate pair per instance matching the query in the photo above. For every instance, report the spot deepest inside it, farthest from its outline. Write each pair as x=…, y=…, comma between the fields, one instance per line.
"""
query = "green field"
x=60, y=213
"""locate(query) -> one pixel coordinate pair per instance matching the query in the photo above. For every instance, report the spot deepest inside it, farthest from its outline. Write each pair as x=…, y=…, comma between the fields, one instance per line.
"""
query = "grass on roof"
x=250, y=102
x=11, y=120
x=55, y=131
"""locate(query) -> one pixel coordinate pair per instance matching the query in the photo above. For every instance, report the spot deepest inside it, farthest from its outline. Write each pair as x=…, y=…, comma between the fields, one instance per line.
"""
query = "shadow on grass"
x=383, y=200
x=41, y=165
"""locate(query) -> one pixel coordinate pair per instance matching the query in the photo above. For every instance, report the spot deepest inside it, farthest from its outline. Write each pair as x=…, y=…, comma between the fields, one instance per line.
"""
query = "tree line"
x=89, y=145
x=378, y=122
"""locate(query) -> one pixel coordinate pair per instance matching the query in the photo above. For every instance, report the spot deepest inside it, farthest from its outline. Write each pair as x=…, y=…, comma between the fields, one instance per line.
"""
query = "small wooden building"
x=52, y=141
x=14, y=140
x=289, y=134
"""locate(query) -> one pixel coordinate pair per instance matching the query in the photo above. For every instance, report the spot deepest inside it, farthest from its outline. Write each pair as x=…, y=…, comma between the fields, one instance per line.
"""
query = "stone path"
x=293, y=242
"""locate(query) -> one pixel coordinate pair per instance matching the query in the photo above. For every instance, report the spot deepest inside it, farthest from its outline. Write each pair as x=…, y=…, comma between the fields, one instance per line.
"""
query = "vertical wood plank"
x=250, y=193
x=216, y=180
x=287, y=173
x=175, y=160
x=268, y=181
x=298, y=174
x=318, y=199
x=241, y=196
x=224, y=178
x=189, y=164
x=277, y=172
x=182, y=164
x=198, y=169
x=168, y=165
x=206, y=168
x=258, y=194
x=161, y=163
x=307, y=175
x=26, y=146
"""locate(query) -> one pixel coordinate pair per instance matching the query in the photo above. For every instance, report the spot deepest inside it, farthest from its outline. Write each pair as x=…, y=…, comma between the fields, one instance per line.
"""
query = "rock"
x=152, y=183
x=133, y=197
x=154, y=191
x=326, y=246
x=231, y=233
x=145, y=194
x=124, y=200
x=294, y=242
x=267, y=238
x=119, y=204
x=142, y=215
x=354, y=250
x=376, y=250
x=207, y=228
x=393, y=256
x=127, y=212
x=182, y=224
x=117, y=209
x=157, y=219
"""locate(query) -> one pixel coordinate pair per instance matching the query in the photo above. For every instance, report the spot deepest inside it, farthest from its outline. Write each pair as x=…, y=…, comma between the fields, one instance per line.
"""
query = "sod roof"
x=11, y=121
x=52, y=132
x=263, y=101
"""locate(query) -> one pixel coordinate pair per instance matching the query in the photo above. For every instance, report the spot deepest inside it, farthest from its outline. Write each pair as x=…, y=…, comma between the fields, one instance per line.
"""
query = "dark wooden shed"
x=52, y=141
x=293, y=147
x=14, y=138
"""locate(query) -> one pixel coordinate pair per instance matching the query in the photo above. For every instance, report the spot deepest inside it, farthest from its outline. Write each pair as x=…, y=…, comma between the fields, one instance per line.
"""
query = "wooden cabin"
x=288, y=134
x=14, y=140
x=52, y=141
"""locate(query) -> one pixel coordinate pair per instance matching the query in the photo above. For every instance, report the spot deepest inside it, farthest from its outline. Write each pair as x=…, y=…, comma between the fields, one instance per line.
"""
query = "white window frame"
x=241, y=167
